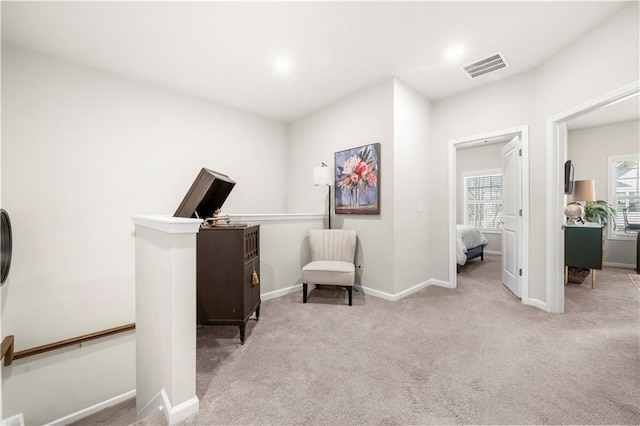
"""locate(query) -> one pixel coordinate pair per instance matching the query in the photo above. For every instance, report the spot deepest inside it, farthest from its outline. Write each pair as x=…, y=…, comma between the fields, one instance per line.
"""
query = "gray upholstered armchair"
x=332, y=255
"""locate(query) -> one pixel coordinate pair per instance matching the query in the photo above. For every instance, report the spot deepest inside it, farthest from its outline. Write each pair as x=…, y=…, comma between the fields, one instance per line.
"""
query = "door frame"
x=491, y=137
x=556, y=156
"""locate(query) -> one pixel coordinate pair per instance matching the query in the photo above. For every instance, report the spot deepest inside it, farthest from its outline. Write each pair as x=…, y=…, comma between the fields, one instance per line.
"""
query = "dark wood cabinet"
x=226, y=260
x=583, y=248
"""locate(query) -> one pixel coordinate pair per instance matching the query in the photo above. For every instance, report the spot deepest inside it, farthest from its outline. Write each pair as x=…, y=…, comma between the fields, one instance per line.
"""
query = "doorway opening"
x=521, y=262
x=556, y=153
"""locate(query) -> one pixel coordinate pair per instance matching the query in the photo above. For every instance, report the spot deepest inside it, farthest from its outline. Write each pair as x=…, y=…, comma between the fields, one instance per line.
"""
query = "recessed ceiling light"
x=455, y=52
x=282, y=65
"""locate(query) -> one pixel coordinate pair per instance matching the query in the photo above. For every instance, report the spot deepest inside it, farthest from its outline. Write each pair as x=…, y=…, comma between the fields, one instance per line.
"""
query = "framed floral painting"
x=357, y=178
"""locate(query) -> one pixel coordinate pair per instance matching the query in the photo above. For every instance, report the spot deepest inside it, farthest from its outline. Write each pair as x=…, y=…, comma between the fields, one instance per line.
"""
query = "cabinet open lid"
x=207, y=194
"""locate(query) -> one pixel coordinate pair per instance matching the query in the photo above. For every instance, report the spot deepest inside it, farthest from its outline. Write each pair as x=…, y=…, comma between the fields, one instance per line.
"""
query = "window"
x=483, y=199
x=624, y=184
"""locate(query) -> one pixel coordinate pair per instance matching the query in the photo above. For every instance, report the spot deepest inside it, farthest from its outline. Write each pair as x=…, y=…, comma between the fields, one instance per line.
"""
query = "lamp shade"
x=584, y=190
x=322, y=176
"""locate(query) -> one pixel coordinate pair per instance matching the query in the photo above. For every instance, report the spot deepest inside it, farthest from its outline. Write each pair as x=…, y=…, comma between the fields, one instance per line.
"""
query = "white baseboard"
x=73, y=417
x=411, y=290
x=402, y=294
x=374, y=292
x=173, y=414
x=499, y=253
x=440, y=283
x=537, y=303
x=364, y=289
x=282, y=292
x=17, y=420
x=620, y=265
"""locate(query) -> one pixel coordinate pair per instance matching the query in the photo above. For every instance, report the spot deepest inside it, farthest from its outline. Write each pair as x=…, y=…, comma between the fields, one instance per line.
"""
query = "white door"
x=511, y=214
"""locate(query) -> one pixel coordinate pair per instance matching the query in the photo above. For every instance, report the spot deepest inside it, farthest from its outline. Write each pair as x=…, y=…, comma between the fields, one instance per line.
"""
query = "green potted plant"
x=599, y=211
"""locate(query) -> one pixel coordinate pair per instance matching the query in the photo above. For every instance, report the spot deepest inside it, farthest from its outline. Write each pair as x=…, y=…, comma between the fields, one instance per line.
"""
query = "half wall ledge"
x=165, y=276
x=168, y=224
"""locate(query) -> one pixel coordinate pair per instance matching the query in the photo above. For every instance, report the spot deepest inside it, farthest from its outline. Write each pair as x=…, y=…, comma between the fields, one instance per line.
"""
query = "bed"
x=470, y=242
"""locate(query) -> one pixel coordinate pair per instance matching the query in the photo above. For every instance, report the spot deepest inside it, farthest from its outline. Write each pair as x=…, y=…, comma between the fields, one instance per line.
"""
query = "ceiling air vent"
x=486, y=65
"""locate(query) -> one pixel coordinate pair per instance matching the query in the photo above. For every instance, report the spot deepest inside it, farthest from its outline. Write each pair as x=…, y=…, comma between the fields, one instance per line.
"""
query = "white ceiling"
x=224, y=51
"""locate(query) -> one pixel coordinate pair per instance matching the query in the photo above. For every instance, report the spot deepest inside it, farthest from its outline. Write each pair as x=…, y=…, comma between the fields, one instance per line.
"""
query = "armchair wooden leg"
x=350, y=290
x=304, y=292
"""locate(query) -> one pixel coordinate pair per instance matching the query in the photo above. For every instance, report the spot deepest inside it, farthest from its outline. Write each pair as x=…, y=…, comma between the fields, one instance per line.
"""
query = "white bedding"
x=468, y=236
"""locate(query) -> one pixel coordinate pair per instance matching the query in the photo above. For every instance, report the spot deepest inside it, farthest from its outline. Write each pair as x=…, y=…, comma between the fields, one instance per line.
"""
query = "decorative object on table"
x=574, y=213
x=322, y=177
x=584, y=195
x=357, y=177
x=217, y=219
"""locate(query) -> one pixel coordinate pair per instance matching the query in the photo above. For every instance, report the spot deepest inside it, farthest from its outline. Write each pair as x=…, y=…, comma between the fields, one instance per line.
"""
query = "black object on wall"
x=568, y=177
x=5, y=245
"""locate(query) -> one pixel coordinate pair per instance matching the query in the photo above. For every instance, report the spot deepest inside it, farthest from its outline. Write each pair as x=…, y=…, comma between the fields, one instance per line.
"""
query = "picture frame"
x=357, y=180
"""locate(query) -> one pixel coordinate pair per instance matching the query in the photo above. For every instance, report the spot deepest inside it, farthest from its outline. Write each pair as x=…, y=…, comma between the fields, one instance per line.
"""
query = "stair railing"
x=8, y=343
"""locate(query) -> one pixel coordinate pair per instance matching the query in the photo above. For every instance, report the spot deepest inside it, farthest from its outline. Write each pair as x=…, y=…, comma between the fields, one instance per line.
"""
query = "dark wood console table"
x=583, y=248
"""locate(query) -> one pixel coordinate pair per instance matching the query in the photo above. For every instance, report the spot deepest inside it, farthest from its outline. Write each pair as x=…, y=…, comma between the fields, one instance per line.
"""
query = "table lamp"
x=583, y=191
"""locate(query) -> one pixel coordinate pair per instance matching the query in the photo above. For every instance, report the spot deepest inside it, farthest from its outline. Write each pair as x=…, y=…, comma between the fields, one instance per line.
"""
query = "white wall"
x=412, y=207
x=365, y=117
x=394, y=246
x=476, y=158
x=604, y=59
x=83, y=151
x=498, y=106
x=589, y=149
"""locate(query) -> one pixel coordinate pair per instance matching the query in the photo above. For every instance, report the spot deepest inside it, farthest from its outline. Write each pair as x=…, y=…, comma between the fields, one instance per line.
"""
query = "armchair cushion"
x=330, y=272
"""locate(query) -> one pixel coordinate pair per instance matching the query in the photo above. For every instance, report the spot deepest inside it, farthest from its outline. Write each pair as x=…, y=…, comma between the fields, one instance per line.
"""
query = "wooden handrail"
x=63, y=343
x=7, y=350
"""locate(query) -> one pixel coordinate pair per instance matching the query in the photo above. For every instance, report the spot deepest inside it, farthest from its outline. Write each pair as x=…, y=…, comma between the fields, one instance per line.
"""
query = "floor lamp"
x=322, y=176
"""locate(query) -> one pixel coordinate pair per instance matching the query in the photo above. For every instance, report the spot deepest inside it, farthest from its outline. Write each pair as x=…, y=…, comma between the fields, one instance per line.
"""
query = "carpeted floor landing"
x=473, y=355
x=635, y=279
